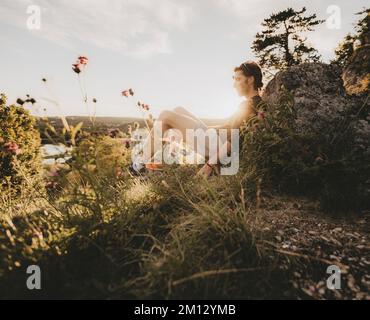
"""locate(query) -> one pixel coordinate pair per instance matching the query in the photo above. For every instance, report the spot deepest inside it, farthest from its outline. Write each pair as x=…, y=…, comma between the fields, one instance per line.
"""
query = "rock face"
x=318, y=92
x=356, y=75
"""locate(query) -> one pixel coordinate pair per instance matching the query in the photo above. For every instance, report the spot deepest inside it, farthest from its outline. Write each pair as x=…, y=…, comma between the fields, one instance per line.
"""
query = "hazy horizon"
x=172, y=53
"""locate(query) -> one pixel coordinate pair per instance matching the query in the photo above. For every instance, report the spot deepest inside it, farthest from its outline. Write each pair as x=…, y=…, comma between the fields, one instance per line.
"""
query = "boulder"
x=318, y=93
x=356, y=75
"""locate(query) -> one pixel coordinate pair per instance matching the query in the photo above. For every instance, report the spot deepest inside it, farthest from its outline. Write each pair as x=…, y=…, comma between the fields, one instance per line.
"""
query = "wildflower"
x=127, y=143
x=54, y=172
x=83, y=60
x=145, y=107
x=13, y=148
x=113, y=133
x=126, y=93
x=77, y=68
x=32, y=101
x=261, y=115
x=20, y=101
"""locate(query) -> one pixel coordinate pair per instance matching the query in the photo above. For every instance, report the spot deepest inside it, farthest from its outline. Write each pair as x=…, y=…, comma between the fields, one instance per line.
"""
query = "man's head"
x=247, y=78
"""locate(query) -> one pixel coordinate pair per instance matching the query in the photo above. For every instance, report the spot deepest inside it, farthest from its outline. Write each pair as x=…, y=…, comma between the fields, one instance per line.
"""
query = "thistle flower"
x=83, y=60
x=20, y=101
x=127, y=143
x=126, y=93
x=32, y=101
x=77, y=68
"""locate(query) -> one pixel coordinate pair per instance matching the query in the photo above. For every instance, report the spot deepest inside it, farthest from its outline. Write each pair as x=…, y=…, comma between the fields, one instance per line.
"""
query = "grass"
x=167, y=237
x=99, y=232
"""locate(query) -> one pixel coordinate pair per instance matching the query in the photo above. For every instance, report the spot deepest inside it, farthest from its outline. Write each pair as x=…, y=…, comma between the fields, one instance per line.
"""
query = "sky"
x=171, y=52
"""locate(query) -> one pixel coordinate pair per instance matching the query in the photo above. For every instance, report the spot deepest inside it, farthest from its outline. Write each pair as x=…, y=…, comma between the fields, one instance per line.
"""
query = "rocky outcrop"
x=321, y=101
x=356, y=75
x=318, y=93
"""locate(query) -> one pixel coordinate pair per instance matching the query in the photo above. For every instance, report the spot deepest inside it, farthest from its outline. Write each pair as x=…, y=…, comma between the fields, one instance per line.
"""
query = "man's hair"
x=252, y=69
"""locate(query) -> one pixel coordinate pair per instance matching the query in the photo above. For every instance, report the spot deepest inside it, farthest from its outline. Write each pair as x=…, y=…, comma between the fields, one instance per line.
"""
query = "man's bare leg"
x=173, y=120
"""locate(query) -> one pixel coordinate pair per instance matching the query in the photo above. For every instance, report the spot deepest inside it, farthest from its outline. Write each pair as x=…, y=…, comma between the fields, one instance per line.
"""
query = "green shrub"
x=332, y=165
x=20, y=156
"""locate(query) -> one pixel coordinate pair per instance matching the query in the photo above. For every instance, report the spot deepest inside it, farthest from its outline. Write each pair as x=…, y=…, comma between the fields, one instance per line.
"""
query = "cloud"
x=243, y=8
x=138, y=28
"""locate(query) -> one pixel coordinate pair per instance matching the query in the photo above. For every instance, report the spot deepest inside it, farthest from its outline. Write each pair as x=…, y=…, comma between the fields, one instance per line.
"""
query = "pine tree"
x=346, y=48
x=281, y=43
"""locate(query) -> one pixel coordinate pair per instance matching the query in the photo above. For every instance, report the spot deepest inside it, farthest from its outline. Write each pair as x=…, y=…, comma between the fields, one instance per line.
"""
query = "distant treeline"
x=102, y=125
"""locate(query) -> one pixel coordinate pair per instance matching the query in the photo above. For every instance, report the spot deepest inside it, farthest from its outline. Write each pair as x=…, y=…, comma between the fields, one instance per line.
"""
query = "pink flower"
x=13, y=148
x=261, y=115
x=83, y=60
x=80, y=63
x=127, y=143
x=126, y=93
x=145, y=107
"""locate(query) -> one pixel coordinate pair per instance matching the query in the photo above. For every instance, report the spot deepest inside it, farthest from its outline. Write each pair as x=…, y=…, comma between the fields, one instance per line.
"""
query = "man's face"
x=242, y=83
